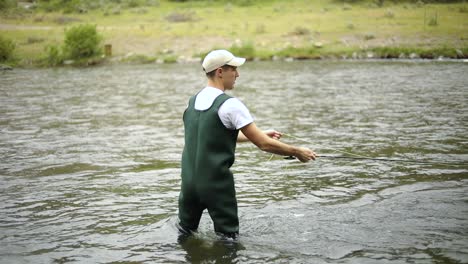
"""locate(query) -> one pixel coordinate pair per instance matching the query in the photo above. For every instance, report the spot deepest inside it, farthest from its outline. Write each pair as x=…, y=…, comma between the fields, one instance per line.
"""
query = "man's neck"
x=215, y=84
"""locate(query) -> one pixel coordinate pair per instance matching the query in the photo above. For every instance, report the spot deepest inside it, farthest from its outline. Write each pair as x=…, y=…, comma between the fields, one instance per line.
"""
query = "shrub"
x=246, y=50
x=134, y=3
x=82, y=41
x=181, y=17
x=300, y=31
x=7, y=47
x=433, y=21
x=309, y=52
x=54, y=57
x=245, y=2
x=7, y=4
x=32, y=40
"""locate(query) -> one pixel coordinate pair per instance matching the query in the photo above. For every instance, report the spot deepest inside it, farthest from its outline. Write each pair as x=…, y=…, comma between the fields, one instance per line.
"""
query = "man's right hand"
x=305, y=154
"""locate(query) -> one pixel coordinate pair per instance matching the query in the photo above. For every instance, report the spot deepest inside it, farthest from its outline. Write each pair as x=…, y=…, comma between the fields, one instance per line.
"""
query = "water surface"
x=90, y=167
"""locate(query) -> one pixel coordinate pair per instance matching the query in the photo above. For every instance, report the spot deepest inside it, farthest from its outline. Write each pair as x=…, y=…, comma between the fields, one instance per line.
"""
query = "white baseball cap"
x=219, y=58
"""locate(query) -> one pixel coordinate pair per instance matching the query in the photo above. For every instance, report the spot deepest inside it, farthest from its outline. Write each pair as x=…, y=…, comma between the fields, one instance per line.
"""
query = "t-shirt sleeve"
x=234, y=114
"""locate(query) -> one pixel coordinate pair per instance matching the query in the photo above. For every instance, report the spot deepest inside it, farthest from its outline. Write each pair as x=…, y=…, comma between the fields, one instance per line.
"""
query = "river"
x=90, y=165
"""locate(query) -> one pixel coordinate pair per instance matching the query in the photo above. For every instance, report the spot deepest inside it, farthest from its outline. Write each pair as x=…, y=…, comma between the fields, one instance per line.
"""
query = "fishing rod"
x=353, y=156
x=384, y=160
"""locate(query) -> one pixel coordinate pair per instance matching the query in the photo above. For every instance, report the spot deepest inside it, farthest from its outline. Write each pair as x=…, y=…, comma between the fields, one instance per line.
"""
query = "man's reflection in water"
x=222, y=250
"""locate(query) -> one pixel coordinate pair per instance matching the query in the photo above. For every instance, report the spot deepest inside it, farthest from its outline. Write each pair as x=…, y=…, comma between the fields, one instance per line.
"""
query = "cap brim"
x=236, y=62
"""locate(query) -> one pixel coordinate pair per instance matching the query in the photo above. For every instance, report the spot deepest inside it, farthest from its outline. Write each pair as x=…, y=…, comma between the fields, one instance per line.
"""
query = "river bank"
x=168, y=32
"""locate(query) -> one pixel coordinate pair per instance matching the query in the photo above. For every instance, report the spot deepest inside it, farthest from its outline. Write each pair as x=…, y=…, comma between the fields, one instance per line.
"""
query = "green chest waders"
x=207, y=182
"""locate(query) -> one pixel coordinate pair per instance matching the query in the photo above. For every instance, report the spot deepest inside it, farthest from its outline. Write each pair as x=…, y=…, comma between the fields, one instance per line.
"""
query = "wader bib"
x=207, y=182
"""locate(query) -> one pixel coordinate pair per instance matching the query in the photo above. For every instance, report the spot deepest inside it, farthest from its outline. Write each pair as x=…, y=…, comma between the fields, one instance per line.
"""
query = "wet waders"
x=207, y=182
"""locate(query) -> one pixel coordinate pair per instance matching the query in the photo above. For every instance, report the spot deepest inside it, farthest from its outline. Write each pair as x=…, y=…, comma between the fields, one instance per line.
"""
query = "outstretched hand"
x=274, y=134
x=305, y=154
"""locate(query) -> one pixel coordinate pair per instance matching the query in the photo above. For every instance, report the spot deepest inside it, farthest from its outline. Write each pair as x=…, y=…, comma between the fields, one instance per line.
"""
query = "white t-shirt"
x=233, y=113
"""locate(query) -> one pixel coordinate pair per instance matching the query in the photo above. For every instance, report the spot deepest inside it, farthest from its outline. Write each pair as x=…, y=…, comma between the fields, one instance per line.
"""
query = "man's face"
x=230, y=75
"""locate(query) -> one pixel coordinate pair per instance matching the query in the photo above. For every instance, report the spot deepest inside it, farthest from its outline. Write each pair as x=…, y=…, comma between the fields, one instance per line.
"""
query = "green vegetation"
x=7, y=4
x=54, y=56
x=163, y=30
x=81, y=46
x=6, y=49
x=81, y=41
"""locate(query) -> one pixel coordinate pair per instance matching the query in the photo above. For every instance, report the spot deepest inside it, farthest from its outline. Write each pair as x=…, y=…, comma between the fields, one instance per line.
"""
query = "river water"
x=90, y=166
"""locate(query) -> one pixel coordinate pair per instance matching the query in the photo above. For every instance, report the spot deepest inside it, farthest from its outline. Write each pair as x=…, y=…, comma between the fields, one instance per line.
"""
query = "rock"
x=4, y=67
x=402, y=56
x=167, y=51
x=68, y=62
x=183, y=59
x=459, y=53
x=370, y=55
x=414, y=56
x=318, y=44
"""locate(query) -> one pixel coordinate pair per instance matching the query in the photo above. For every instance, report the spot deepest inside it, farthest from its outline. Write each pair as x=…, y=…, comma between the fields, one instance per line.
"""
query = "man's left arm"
x=271, y=133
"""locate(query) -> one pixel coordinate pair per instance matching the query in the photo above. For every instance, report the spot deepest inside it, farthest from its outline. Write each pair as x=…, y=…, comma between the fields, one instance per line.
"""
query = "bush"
x=300, y=31
x=309, y=52
x=7, y=47
x=177, y=17
x=246, y=50
x=433, y=21
x=82, y=41
x=7, y=4
x=54, y=57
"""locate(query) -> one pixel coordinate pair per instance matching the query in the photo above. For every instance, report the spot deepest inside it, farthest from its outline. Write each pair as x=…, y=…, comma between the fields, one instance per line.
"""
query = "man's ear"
x=219, y=72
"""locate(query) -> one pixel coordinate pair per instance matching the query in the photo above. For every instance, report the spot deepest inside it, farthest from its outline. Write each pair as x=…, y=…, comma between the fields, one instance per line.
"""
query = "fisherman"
x=214, y=122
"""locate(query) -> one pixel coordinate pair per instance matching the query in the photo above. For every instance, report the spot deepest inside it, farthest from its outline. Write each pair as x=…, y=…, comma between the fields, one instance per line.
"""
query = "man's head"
x=221, y=66
x=218, y=58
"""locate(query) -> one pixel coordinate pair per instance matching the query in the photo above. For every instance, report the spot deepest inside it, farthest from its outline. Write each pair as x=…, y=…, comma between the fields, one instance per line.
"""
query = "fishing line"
x=393, y=160
x=335, y=150
x=354, y=156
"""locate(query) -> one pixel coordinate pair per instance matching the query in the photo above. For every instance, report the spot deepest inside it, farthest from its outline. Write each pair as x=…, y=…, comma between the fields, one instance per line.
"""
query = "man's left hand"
x=273, y=134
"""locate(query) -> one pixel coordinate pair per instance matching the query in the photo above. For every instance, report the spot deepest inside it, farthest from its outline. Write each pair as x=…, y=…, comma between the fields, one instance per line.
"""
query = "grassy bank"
x=170, y=31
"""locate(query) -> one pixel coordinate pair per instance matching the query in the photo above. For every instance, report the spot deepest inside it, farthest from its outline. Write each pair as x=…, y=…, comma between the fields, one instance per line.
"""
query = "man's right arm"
x=265, y=143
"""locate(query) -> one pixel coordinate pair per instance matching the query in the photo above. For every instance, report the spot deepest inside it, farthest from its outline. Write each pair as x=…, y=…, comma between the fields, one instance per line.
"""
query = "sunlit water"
x=90, y=166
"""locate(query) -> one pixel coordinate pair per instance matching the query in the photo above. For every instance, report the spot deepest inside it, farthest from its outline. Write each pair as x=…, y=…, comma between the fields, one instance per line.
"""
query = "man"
x=213, y=123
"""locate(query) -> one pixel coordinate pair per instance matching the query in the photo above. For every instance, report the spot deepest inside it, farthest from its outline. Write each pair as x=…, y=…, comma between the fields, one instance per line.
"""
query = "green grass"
x=255, y=29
